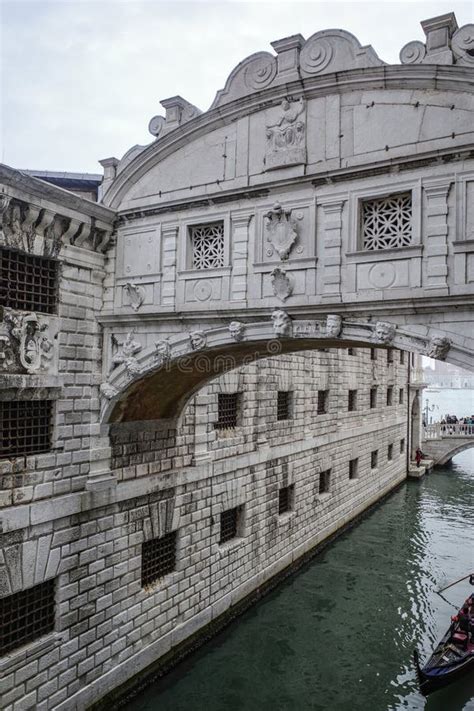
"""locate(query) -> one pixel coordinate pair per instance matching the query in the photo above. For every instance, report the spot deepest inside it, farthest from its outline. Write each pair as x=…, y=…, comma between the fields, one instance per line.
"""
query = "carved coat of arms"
x=281, y=230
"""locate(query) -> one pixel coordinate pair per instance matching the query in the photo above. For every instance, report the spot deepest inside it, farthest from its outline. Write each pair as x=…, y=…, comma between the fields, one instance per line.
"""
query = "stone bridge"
x=442, y=442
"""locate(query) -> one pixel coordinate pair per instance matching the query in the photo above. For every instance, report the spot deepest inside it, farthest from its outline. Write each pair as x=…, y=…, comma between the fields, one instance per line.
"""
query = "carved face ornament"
x=333, y=325
x=282, y=325
x=236, y=330
x=384, y=332
x=198, y=340
x=438, y=347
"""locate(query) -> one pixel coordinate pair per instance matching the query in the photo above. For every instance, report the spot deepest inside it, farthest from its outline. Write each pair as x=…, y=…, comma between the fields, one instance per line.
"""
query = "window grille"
x=285, y=499
x=373, y=398
x=387, y=222
x=158, y=557
x=26, y=427
x=352, y=401
x=373, y=354
x=227, y=411
x=322, y=402
x=389, y=396
x=207, y=244
x=353, y=468
x=26, y=615
x=389, y=355
x=324, y=480
x=400, y=396
x=283, y=405
x=402, y=445
x=28, y=282
x=390, y=452
x=229, y=524
x=374, y=458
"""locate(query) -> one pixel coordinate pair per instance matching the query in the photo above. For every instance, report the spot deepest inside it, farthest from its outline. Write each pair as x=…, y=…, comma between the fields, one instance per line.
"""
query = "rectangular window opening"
x=389, y=395
x=158, y=557
x=373, y=398
x=352, y=401
x=402, y=445
x=322, y=402
x=389, y=355
x=324, y=481
x=26, y=615
x=283, y=405
x=390, y=452
x=229, y=524
x=351, y=351
x=373, y=354
x=353, y=468
x=285, y=499
x=26, y=427
x=400, y=396
x=402, y=357
x=28, y=282
x=207, y=245
x=227, y=411
x=374, y=456
x=386, y=222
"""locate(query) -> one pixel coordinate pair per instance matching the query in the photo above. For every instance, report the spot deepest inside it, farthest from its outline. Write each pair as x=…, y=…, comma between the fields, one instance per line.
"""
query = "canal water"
x=339, y=635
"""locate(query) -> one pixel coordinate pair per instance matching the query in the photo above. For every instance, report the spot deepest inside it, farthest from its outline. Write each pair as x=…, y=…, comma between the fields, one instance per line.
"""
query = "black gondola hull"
x=431, y=681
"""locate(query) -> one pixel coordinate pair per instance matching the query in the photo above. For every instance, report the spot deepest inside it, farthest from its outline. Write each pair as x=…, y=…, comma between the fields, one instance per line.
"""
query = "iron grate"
x=26, y=615
x=28, y=282
x=322, y=402
x=285, y=495
x=227, y=411
x=25, y=426
x=229, y=524
x=158, y=557
x=283, y=405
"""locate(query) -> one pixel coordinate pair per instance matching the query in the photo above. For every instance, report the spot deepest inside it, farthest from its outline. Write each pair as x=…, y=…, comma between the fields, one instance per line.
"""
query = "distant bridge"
x=442, y=442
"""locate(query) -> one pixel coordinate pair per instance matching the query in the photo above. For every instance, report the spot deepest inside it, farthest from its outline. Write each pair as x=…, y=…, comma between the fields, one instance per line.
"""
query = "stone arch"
x=444, y=458
x=159, y=382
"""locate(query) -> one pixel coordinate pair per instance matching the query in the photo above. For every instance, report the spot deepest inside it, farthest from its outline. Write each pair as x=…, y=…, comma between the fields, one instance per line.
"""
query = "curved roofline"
x=416, y=76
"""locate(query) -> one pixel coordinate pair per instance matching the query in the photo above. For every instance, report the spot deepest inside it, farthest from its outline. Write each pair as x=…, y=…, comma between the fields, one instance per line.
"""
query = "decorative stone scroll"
x=281, y=231
x=445, y=43
x=286, y=135
x=282, y=284
x=282, y=324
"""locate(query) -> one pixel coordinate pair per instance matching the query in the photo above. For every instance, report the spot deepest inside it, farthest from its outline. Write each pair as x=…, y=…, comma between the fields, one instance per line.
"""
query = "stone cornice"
x=25, y=187
x=417, y=76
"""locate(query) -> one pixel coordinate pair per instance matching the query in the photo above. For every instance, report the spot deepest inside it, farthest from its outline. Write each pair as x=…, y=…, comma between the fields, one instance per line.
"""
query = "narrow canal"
x=339, y=635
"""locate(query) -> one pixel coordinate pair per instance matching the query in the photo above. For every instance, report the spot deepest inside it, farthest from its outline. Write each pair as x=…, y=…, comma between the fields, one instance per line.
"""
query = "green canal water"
x=339, y=635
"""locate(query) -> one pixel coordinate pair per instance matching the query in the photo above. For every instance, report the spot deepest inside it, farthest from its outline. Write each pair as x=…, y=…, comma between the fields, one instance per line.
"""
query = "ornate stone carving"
x=237, y=330
x=29, y=342
x=462, y=45
x=15, y=234
x=281, y=230
x=108, y=391
x=333, y=325
x=53, y=236
x=286, y=136
x=438, y=348
x=135, y=293
x=282, y=284
x=445, y=43
x=260, y=72
x=282, y=323
x=253, y=74
x=335, y=51
x=384, y=332
x=413, y=53
x=7, y=356
x=198, y=340
x=126, y=355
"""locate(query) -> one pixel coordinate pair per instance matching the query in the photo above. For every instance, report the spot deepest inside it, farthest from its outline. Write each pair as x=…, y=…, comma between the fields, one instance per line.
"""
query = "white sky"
x=80, y=79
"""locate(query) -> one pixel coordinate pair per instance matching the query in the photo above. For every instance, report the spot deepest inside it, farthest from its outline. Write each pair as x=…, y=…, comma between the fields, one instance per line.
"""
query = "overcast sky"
x=82, y=78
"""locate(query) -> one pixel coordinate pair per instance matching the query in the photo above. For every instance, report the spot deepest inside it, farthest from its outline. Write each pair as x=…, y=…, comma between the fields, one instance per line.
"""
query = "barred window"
x=324, y=481
x=28, y=282
x=402, y=445
x=389, y=395
x=26, y=427
x=158, y=557
x=373, y=398
x=227, y=411
x=374, y=457
x=283, y=405
x=207, y=245
x=322, y=402
x=285, y=499
x=386, y=223
x=353, y=468
x=390, y=452
x=230, y=524
x=26, y=615
x=400, y=396
x=352, y=401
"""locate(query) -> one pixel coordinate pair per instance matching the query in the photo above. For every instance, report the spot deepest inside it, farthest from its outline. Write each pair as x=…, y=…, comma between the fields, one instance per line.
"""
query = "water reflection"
x=339, y=636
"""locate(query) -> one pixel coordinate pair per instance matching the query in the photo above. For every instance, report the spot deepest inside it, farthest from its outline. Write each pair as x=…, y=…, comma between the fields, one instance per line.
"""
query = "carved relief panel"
x=28, y=343
x=138, y=267
x=286, y=134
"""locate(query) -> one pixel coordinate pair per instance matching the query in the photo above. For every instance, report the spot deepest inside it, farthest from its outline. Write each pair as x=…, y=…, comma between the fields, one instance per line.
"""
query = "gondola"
x=452, y=659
